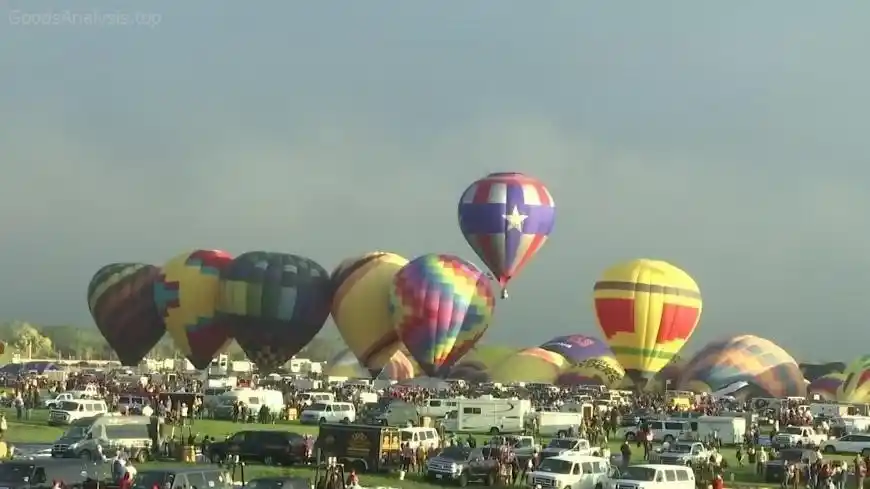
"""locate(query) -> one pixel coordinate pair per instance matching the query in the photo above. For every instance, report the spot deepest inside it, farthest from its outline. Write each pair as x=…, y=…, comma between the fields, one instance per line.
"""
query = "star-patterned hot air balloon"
x=506, y=218
x=647, y=310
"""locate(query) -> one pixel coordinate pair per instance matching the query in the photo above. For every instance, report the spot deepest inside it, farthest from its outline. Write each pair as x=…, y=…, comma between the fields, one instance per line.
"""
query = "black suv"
x=774, y=470
x=462, y=465
x=272, y=447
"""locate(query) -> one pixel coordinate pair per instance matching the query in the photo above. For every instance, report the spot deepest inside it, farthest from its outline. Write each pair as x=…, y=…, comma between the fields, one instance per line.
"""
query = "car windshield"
x=147, y=479
x=77, y=432
x=15, y=472
x=638, y=474
x=69, y=406
x=680, y=448
x=454, y=453
x=555, y=466
x=561, y=443
x=317, y=406
x=794, y=430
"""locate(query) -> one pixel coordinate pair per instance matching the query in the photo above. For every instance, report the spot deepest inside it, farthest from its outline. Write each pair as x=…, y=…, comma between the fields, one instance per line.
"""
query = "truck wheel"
x=322, y=420
x=829, y=449
x=85, y=455
x=493, y=431
x=799, y=444
x=463, y=479
x=669, y=438
x=562, y=434
x=490, y=479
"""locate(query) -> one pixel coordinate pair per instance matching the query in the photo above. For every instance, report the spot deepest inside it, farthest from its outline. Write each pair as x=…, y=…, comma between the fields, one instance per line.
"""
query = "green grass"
x=36, y=430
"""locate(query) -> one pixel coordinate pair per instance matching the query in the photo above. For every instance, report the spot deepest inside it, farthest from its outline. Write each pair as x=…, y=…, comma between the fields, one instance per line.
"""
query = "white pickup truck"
x=565, y=446
x=682, y=454
x=71, y=396
x=798, y=436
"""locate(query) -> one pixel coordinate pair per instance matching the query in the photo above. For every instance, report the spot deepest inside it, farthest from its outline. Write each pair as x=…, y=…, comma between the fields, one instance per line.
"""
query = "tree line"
x=86, y=343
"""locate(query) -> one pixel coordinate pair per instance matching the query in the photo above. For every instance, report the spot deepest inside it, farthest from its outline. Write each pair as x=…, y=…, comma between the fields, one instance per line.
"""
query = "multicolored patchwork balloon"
x=121, y=301
x=578, y=348
x=186, y=296
x=441, y=306
x=275, y=304
x=506, y=218
x=360, y=307
x=647, y=310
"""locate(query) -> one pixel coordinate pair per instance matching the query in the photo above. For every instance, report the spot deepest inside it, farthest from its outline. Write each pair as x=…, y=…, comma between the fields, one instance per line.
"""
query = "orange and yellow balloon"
x=361, y=307
x=647, y=310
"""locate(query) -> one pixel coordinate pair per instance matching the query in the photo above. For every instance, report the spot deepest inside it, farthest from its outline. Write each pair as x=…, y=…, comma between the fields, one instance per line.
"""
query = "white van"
x=254, y=399
x=730, y=430
x=570, y=472
x=68, y=411
x=437, y=408
x=415, y=437
x=558, y=424
x=328, y=412
x=309, y=398
x=669, y=430
x=651, y=476
x=493, y=416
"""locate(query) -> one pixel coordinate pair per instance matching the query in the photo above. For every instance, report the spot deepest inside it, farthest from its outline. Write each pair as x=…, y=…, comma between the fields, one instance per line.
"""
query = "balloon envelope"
x=441, y=306
x=577, y=348
x=275, y=303
x=121, y=301
x=856, y=382
x=647, y=310
x=186, y=295
x=826, y=386
x=361, y=307
x=345, y=364
x=768, y=369
x=530, y=365
x=604, y=371
x=506, y=218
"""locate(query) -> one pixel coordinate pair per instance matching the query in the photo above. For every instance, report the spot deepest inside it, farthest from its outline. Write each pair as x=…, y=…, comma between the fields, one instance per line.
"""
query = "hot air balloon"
x=441, y=306
x=577, y=348
x=647, y=310
x=345, y=364
x=121, y=301
x=530, y=365
x=763, y=368
x=826, y=386
x=506, y=218
x=275, y=304
x=856, y=382
x=604, y=371
x=186, y=295
x=361, y=307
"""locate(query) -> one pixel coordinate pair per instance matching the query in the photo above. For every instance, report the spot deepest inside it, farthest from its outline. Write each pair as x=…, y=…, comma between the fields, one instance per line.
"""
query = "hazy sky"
x=732, y=141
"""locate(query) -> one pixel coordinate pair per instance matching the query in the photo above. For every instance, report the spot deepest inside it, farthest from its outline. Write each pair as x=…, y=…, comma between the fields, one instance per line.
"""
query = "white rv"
x=492, y=416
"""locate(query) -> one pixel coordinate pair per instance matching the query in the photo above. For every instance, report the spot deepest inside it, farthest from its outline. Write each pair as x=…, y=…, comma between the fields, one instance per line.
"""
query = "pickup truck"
x=462, y=465
x=683, y=454
x=69, y=396
x=797, y=437
x=524, y=447
x=565, y=446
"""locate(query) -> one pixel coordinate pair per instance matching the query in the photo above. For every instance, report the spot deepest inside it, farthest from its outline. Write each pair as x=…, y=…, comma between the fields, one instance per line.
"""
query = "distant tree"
x=26, y=339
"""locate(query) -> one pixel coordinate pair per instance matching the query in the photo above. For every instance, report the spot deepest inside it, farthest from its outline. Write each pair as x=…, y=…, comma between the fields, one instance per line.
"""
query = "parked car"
x=462, y=465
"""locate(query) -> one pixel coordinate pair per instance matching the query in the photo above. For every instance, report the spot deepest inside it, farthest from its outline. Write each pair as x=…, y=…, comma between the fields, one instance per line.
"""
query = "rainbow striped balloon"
x=441, y=305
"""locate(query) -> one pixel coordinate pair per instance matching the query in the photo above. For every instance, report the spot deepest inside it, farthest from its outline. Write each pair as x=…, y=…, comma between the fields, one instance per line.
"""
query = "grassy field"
x=36, y=430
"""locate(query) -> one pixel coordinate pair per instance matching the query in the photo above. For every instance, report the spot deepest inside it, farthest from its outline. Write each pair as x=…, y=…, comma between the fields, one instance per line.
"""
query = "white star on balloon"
x=515, y=219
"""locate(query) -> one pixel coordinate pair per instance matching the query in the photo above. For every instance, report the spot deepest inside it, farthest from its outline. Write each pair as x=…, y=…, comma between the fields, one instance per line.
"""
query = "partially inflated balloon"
x=647, y=310
x=360, y=307
x=121, y=301
x=506, y=218
x=441, y=306
x=530, y=365
x=856, y=382
x=577, y=348
x=826, y=386
x=275, y=303
x=345, y=364
x=186, y=295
